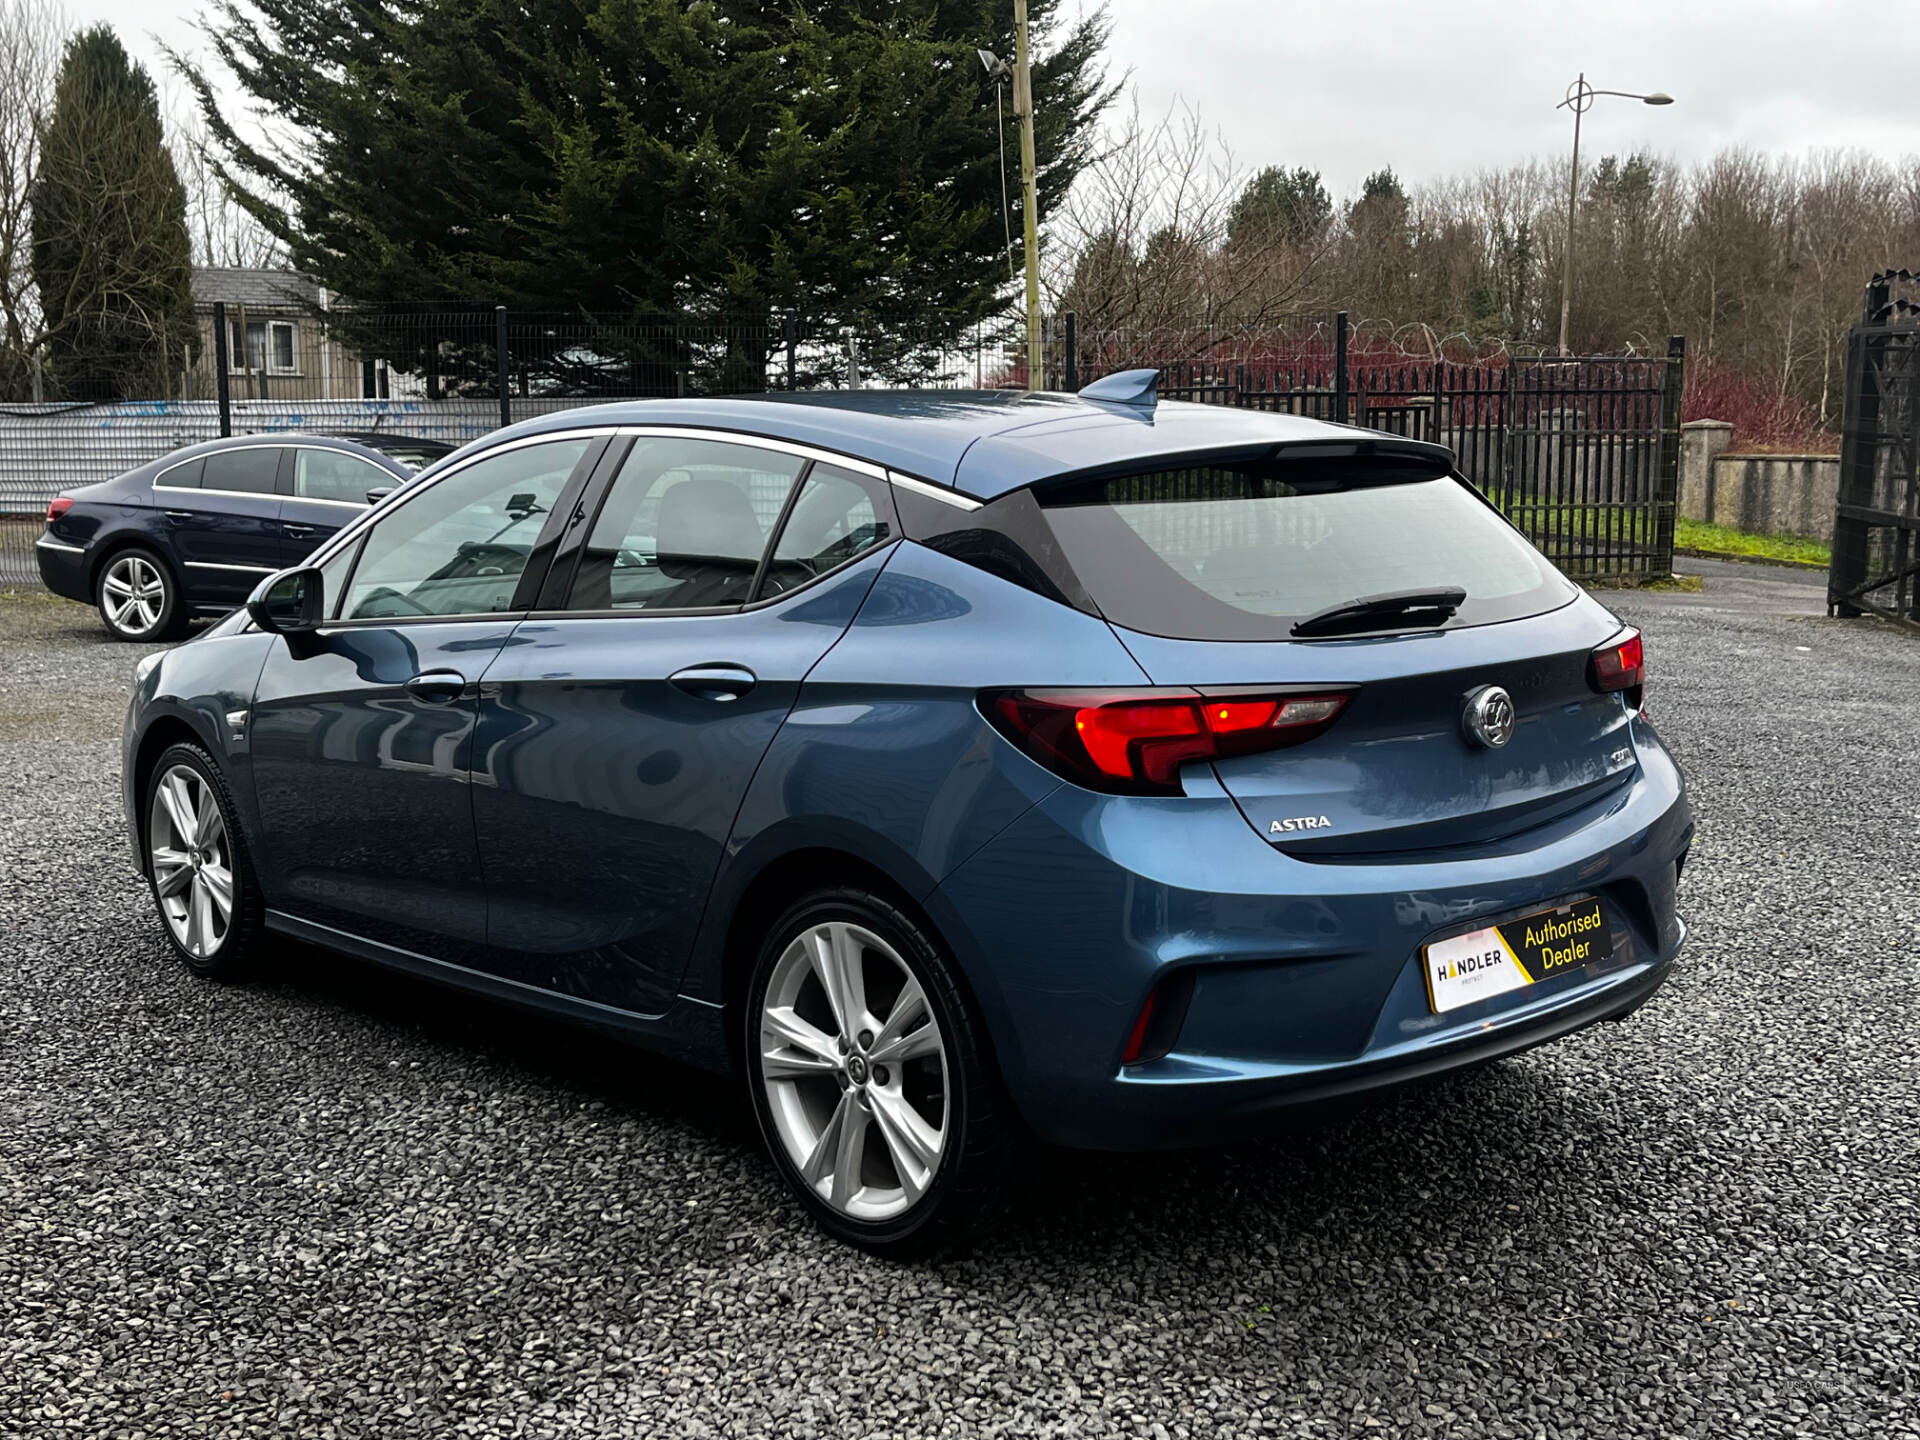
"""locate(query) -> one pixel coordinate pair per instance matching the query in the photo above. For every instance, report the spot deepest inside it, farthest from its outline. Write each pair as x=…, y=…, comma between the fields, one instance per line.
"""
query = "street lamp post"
x=1580, y=100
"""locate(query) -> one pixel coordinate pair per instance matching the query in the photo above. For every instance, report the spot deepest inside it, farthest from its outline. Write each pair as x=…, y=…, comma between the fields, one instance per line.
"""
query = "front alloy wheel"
x=198, y=864
x=192, y=866
x=871, y=1077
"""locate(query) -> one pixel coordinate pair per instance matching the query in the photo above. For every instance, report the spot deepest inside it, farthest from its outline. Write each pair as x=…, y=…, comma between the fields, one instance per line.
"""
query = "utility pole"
x=1580, y=100
x=1030, y=205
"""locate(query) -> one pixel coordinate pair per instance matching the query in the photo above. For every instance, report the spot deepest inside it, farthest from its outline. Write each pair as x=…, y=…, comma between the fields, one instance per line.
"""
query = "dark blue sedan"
x=194, y=531
x=953, y=768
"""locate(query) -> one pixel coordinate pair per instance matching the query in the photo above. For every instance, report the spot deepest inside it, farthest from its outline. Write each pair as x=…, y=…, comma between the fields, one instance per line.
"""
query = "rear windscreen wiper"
x=1359, y=614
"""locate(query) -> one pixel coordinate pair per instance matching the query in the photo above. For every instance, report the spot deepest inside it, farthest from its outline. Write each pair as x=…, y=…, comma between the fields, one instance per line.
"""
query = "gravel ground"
x=345, y=1204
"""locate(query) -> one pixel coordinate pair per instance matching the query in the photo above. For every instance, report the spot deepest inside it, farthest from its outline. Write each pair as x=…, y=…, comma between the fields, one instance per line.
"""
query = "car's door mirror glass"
x=289, y=602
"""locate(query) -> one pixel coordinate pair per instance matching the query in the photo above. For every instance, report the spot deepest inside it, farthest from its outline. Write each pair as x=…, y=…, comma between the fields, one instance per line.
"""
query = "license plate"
x=1515, y=954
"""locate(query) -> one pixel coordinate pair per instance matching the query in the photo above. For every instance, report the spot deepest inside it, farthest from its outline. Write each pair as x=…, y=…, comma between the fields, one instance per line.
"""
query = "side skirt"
x=690, y=1030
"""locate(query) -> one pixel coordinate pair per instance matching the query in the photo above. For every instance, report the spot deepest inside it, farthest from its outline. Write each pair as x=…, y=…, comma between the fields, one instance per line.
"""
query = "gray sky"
x=1451, y=85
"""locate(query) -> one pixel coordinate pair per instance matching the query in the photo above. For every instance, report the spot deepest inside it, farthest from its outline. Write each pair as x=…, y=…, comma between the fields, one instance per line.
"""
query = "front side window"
x=251, y=470
x=460, y=545
x=332, y=475
x=838, y=515
x=683, y=527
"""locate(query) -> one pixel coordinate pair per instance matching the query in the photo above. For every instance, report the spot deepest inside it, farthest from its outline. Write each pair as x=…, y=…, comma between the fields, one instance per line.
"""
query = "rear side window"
x=838, y=514
x=184, y=476
x=251, y=469
x=1241, y=552
x=684, y=526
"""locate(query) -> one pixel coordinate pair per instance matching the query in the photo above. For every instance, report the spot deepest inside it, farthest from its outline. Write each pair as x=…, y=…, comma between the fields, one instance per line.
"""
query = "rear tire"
x=872, y=1078
x=138, y=598
x=198, y=866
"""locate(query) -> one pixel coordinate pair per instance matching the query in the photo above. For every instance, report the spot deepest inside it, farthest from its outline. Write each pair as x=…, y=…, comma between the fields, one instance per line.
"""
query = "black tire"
x=169, y=619
x=232, y=954
x=982, y=1132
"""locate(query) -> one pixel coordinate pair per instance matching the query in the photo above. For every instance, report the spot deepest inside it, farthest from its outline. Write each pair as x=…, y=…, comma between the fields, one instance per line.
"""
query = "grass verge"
x=1718, y=539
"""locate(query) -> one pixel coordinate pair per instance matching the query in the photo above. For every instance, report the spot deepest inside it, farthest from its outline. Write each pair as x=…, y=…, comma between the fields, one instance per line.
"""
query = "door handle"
x=719, y=683
x=179, y=514
x=298, y=532
x=437, y=687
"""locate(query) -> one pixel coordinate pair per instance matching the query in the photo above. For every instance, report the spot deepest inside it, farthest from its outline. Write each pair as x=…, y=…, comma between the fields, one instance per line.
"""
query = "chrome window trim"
x=47, y=542
x=253, y=442
x=945, y=494
x=424, y=481
x=759, y=442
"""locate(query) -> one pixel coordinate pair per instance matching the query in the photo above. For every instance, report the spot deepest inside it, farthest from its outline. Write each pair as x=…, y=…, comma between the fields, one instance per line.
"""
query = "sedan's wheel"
x=872, y=1079
x=197, y=863
x=136, y=598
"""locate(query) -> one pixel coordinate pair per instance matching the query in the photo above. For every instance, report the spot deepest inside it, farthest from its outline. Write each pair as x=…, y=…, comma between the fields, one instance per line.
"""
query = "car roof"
x=981, y=442
x=271, y=437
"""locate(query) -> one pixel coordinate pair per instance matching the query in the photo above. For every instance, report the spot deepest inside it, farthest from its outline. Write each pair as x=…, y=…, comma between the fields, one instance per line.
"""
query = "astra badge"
x=1487, y=717
x=1299, y=822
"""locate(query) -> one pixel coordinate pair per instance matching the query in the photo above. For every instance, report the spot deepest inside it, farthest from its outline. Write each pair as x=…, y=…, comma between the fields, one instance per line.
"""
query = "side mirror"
x=379, y=493
x=289, y=603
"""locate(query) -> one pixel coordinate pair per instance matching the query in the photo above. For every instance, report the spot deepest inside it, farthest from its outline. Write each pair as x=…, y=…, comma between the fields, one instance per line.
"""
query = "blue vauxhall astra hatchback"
x=955, y=768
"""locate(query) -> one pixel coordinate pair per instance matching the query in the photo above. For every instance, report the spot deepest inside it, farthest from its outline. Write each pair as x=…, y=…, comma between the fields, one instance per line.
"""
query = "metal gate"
x=1581, y=453
x=1876, y=526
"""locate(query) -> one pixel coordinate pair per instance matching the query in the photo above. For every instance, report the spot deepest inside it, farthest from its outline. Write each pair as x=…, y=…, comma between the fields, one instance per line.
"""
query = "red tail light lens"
x=58, y=507
x=1133, y=742
x=1620, y=664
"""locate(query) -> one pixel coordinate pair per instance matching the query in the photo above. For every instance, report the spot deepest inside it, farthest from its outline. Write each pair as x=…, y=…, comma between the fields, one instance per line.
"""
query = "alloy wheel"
x=134, y=594
x=855, y=1071
x=192, y=861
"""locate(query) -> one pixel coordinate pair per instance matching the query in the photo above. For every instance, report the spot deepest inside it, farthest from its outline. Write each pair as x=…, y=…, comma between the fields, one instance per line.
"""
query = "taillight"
x=1133, y=742
x=1620, y=664
x=57, y=507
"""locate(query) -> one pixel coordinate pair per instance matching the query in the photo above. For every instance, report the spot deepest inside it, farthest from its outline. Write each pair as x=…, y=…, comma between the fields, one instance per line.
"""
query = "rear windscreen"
x=1243, y=551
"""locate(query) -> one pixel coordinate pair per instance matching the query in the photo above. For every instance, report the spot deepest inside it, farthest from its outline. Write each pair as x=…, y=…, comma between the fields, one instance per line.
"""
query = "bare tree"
x=32, y=33
x=223, y=232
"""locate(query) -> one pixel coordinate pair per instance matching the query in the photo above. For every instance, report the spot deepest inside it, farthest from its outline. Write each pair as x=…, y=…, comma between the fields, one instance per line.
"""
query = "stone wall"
x=1765, y=494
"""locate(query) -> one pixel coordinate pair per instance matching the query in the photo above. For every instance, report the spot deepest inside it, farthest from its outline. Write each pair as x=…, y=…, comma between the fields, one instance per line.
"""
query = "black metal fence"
x=1581, y=453
x=1876, y=529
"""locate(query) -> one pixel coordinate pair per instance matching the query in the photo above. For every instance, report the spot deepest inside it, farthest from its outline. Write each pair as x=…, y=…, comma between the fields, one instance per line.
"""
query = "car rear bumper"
x=63, y=568
x=1306, y=977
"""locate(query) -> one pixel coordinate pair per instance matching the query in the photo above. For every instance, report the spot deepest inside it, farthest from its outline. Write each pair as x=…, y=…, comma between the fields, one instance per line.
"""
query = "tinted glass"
x=1240, y=553
x=459, y=546
x=250, y=469
x=837, y=516
x=181, y=477
x=332, y=475
x=683, y=527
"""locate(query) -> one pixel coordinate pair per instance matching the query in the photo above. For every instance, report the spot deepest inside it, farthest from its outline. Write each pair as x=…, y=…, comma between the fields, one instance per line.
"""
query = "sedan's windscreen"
x=1245, y=551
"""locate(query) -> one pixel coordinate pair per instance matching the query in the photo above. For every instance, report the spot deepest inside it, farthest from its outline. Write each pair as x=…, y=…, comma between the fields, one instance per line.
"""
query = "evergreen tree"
x=111, y=257
x=836, y=158
x=1290, y=206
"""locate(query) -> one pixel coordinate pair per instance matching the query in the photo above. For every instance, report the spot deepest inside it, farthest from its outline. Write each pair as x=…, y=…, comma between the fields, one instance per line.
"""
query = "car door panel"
x=361, y=773
x=604, y=790
x=223, y=539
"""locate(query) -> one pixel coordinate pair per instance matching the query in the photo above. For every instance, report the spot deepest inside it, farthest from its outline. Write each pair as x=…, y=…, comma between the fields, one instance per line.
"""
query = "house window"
x=264, y=346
